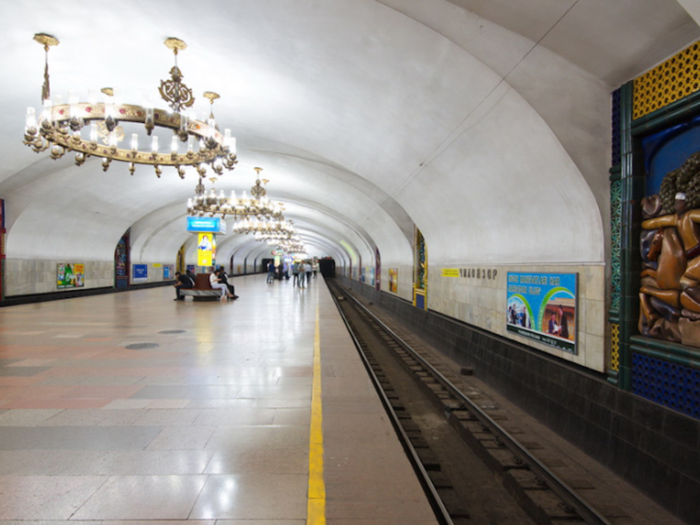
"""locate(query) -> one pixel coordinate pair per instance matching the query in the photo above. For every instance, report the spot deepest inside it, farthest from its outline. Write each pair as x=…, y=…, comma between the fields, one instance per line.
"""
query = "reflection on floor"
x=133, y=406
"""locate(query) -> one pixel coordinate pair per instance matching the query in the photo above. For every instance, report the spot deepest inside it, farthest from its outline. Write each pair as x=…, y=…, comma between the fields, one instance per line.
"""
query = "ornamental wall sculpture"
x=670, y=248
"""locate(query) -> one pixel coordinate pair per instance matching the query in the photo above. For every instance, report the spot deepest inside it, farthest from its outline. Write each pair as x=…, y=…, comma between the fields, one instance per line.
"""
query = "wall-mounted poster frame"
x=70, y=275
x=543, y=306
x=140, y=271
x=168, y=271
x=394, y=280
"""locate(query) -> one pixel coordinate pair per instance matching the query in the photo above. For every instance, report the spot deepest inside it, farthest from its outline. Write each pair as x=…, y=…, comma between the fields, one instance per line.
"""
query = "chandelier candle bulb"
x=134, y=142
x=46, y=112
x=173, y=145
x=93, y=133
x=154, y=144
x=73, y=101
x=31, y=119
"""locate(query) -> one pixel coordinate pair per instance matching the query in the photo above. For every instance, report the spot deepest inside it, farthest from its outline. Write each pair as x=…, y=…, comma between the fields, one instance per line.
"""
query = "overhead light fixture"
x=60, y=127
x=257, y=226
x=257, y=206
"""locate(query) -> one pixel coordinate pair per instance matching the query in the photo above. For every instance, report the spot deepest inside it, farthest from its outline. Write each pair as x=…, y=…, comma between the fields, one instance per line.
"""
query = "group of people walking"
x=302, y=272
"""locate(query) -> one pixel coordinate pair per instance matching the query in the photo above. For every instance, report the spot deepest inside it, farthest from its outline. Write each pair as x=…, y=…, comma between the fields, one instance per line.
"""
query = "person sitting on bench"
x=183, y=281
x=216, y=284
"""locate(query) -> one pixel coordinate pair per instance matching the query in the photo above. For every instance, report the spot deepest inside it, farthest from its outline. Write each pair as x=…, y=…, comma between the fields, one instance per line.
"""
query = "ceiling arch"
x=463, y=118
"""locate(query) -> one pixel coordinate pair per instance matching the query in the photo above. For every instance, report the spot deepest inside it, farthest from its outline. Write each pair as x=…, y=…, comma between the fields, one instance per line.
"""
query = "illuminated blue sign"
x=206, y=225
x=140, y=271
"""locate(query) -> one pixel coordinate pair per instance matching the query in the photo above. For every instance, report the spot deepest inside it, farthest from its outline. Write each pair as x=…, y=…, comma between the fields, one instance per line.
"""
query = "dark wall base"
x=15, y=300
x=654, y=448
x=68, y=294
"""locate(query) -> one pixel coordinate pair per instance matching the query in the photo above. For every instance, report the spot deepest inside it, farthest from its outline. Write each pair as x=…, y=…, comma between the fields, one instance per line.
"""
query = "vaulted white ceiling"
x=485, y=123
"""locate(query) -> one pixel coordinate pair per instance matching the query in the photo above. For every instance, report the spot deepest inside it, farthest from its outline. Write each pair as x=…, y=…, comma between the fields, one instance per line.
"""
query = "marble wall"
x=31, y=276
x=481, y=302
x=405, y=284
x=28, y=276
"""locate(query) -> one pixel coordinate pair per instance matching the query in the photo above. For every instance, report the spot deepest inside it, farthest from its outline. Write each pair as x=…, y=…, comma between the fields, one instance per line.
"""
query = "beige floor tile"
x=26, y=418
x=182, y=438
x=143, y=498
x=262, y=461
x=45, y=497
x=254, y=496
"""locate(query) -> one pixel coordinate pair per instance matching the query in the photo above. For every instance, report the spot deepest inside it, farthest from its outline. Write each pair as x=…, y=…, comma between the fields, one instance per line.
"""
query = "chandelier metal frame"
x=258, y=206
x=56, y=122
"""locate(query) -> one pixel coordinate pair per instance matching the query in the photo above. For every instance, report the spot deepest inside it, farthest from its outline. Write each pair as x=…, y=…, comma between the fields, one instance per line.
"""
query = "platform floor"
x=212, y=425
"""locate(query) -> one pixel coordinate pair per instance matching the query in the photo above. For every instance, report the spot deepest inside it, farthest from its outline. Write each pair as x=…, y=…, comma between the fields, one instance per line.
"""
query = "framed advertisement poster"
x=69, y=275
x=542, y=306
x=393, y=280
x=206, y=249
x=168, y=271
x=140, y=271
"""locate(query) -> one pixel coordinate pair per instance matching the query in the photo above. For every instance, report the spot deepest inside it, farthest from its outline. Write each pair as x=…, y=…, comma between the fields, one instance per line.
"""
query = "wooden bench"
x=202, y=290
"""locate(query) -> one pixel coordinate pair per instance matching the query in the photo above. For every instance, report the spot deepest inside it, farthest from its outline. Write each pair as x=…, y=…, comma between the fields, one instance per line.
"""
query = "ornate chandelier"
x=294, y=247
x=258, y=206
x=257, y=226
x=59, y=126
x=273, y=237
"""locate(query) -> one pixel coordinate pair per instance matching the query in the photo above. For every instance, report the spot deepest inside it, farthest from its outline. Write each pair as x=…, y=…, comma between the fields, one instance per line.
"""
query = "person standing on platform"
x=184, y=282
x=315, y=267
x=270, y=272
x=300, y=275
x=308, y=269
x=295, y=273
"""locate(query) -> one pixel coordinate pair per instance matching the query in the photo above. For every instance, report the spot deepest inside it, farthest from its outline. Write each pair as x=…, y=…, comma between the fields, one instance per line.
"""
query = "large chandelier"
x=272, y=237
x=295, y=247
x=257, y=226
x=257, y=206
x=59, y=126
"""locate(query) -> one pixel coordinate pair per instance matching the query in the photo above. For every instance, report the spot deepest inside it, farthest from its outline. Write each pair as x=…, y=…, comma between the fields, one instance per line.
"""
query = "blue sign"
x=140, y=271
x=542, y=306
x=206, y=225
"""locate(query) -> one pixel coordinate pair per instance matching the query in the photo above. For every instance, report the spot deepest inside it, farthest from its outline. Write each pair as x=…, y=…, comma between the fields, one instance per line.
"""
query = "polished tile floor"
x=134, y=408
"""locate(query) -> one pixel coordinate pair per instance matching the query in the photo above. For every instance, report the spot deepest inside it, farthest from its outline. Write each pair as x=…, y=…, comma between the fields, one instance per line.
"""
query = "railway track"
x=445, y=453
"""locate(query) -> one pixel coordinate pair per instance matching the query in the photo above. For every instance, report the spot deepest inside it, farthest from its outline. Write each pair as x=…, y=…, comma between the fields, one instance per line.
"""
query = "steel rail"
x=436, y=503
x=588, y=513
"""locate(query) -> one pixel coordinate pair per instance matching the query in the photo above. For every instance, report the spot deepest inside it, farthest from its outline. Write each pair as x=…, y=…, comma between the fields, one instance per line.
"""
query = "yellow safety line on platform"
x=316, y=508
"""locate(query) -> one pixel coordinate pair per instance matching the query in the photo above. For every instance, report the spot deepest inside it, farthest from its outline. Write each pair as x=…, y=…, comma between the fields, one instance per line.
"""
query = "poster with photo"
x=394, y=280
x=542, y=307
x=69, y=275
x=206, y=249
